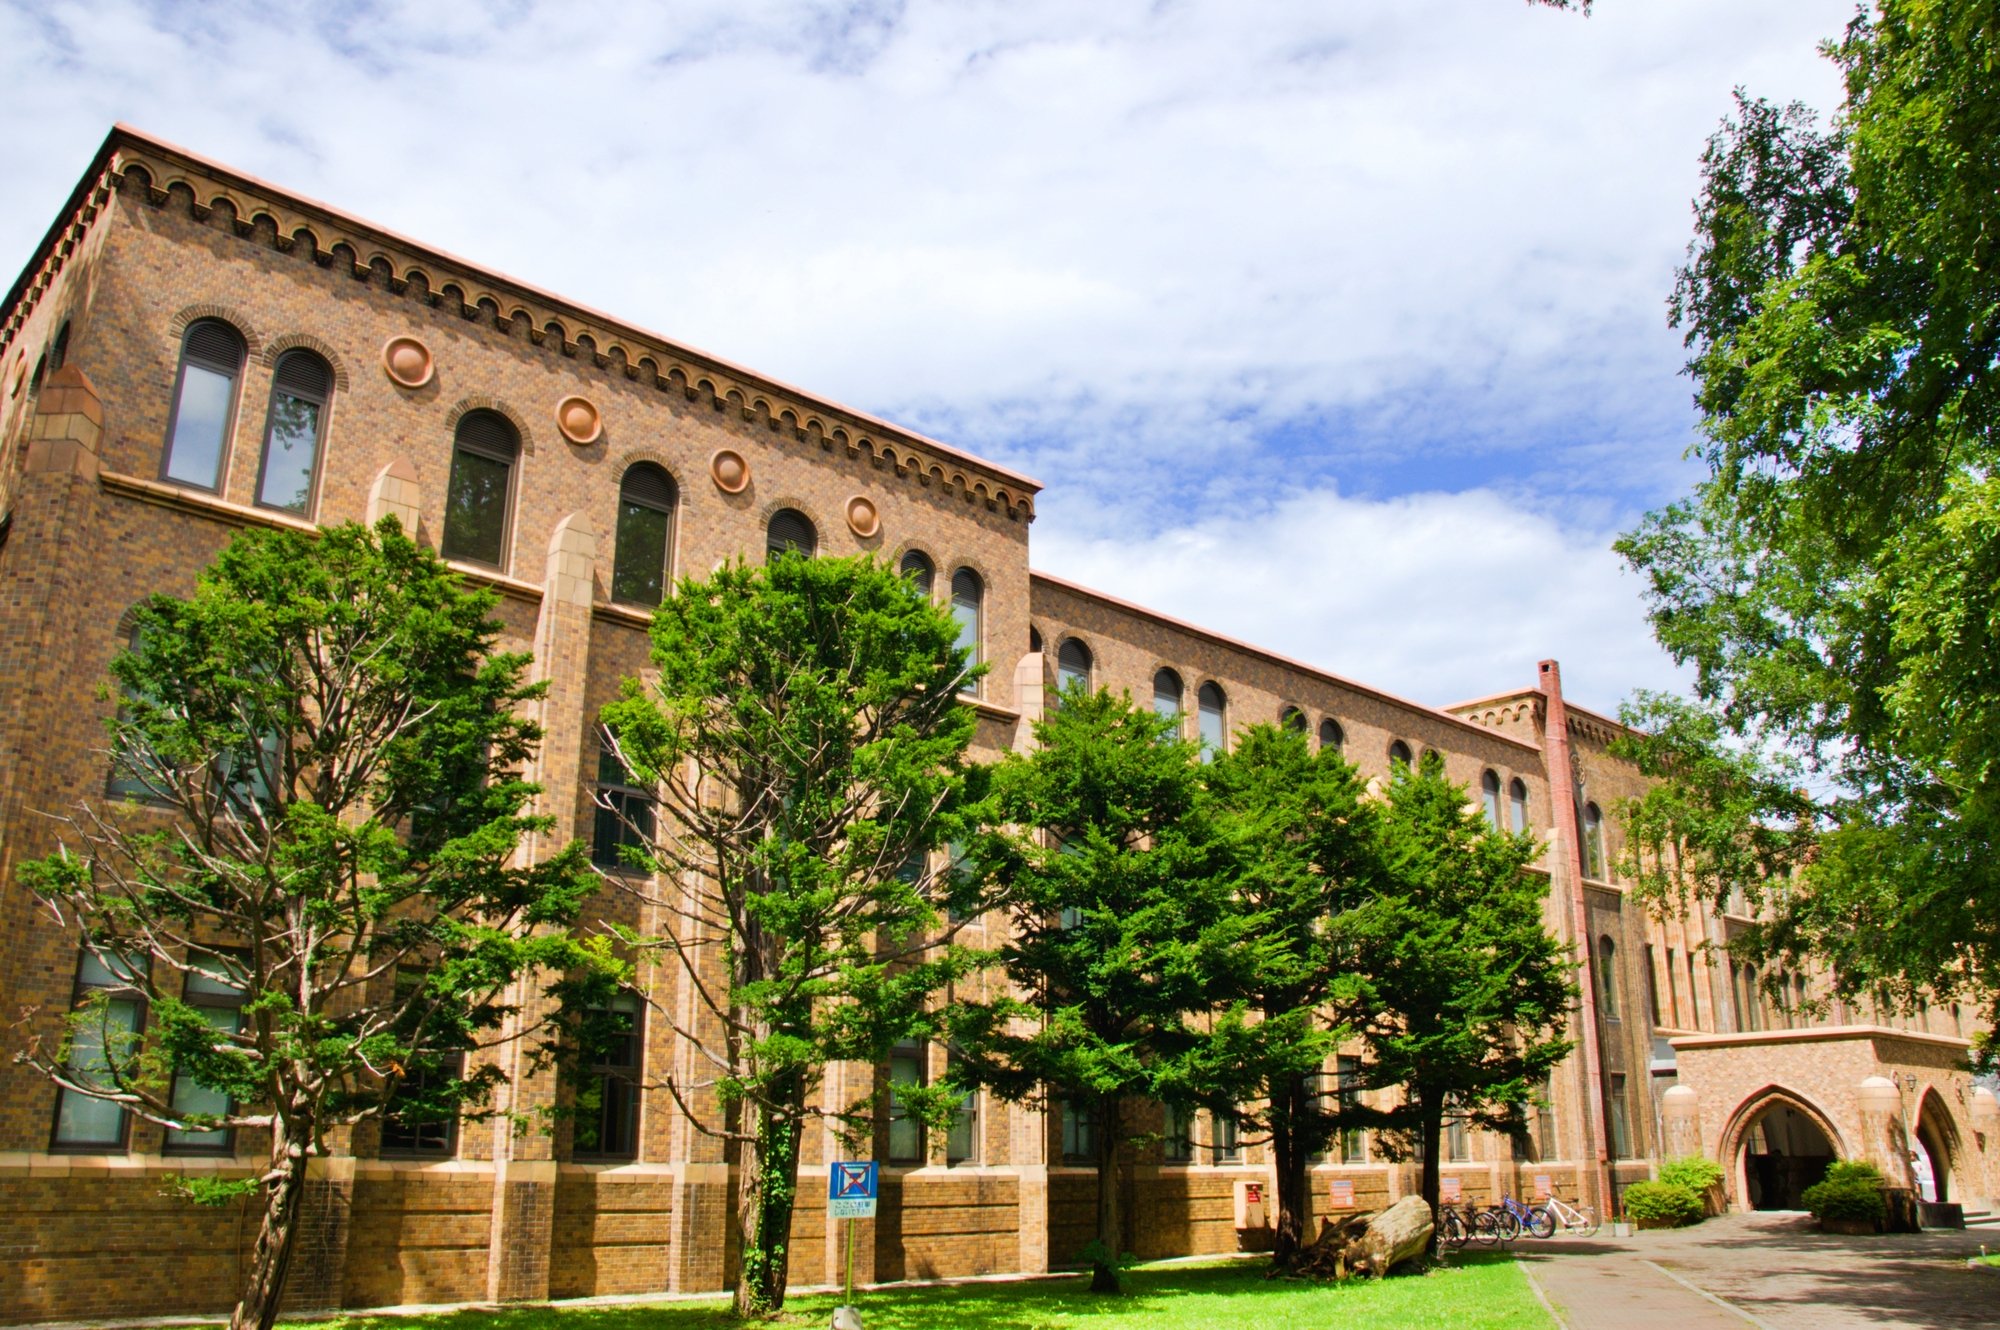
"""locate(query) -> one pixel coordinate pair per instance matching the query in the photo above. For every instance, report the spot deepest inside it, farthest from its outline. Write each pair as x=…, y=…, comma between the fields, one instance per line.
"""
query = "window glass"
x=1293, y=719
x=477, y=497
x=1399, y=756
x=204, y=399
x=906, y=1131
x=1228, y=1139
x=300, y=390
x=1517, y=804
x=1489, y=795
x=81, y=1120
x=1214, y=717
x=1607, y=977
x=625, y=813
x=214, y=990
x=1073, y=664
x=1331, y=735
x=1353, y=1143
x=1593, y=843
x=790, y=532
x=645, y=534
x=1176, y=1143
x=1079, y=1134
x=967, y=595
x=961, y=1145
x=607, y=1122
x=1457, y=1140
x=1621, y=1128
x=917, y=567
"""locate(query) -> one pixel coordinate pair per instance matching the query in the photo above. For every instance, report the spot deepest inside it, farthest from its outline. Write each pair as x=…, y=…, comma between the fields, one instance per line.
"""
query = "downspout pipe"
x=1561, y=773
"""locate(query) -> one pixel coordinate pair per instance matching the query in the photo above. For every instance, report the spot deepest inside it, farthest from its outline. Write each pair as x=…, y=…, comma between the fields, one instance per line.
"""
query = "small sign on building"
x=1450, y=1190
x=1343, y=1194
x=851, y=1189
x=1542, y=1189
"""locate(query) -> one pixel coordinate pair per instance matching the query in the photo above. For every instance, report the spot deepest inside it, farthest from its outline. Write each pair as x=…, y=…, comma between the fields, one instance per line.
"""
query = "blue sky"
x=1335, y=324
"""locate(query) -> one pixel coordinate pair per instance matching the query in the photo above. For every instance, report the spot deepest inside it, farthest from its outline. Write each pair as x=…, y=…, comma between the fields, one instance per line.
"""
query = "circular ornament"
x=408, y=362
x=579, y=421
x=729, y=471
x=862, y=519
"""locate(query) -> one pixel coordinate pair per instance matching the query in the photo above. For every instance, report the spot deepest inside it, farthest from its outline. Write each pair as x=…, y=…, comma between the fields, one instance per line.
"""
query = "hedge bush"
x=1851, y=1190
x=1663, y=1205
x=1693, y=1172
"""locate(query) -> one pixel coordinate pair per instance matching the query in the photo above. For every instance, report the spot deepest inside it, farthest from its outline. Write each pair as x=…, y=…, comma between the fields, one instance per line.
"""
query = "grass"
x=1476, y=1292
x=1993, y=1260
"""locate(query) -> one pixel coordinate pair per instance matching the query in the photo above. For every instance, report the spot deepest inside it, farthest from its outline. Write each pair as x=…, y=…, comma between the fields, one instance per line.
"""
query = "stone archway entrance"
x=1933, y=1147
x=1784, y=1152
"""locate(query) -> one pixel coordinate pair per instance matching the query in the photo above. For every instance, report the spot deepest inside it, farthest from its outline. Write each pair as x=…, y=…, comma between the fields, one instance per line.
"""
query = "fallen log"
x=1392, y=1237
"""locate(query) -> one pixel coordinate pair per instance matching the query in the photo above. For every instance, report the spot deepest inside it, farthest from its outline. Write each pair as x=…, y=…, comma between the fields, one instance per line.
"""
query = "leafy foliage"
x=1697, y=1173
x=807, y=736
x=1465, y=987
x=1663, y=1204
x=331, y=749
x=1121, y=919
x=1832, y=580
x=1851, y=1189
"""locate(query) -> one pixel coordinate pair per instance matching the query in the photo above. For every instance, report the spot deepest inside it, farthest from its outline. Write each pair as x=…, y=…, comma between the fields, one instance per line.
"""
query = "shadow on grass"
x=1234, y=1294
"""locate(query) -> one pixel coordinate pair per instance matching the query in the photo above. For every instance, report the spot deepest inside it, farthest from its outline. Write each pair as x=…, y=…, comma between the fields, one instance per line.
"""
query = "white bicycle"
x=1578, y=1219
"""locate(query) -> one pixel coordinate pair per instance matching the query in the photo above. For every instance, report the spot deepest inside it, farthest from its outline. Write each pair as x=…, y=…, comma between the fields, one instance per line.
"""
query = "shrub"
x=1662, y=1205
x=1697, y=1174
x=1850, y=1191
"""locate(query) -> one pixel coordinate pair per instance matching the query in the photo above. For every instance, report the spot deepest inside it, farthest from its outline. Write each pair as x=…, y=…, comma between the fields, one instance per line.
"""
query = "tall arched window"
x=1073, y=664
x=480, y=495
x=1293, y=719
x=790, y=532
x=919, y=569
x=968, y=594
x=1517, y=805
x=204, y=404
x=1168, y=694
x=1400, y=756
x=646, y=499
x=1593, y=843
x=1607, y=977
x=1331, y=735
x=301, y=389
x=1489, y=796
x=1214, y=709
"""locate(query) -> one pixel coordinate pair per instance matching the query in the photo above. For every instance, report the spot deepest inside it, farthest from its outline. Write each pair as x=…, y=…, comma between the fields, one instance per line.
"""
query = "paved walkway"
x=1776, y=1271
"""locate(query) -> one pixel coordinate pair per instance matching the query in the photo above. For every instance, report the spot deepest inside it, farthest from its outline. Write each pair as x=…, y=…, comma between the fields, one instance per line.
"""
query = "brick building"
x=191, y=351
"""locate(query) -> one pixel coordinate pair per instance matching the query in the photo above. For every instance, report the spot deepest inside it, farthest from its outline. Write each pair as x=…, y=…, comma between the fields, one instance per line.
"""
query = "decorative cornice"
x=349, y=247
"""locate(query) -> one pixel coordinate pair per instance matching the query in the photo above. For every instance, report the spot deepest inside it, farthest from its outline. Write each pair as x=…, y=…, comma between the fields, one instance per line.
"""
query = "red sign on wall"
x=1343, y=1193
x=1450, y=1189
x=1542, y=1189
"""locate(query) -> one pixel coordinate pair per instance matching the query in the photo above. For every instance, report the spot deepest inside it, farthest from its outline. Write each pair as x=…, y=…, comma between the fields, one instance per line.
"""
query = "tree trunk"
x=1430, y=1128
x=1110, y=1240
x=1288, y=1103
x=767, y=1184
x=1402, y=1231
x=271, y=1258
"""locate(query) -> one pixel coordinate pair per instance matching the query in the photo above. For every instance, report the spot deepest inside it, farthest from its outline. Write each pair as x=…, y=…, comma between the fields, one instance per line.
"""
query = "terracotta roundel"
x=729, y=471
x=862, y=519
x=579, y=420
x=408, y=362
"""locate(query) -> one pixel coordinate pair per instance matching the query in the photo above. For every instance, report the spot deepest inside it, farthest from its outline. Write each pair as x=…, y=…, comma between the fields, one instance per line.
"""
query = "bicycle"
x=1578, y=1219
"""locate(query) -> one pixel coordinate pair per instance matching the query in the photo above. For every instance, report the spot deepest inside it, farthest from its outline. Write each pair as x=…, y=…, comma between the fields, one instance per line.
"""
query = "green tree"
x=1466, y=990
x=1303, y=849
x=808, y=738
x=1833, y=578
x=1120, y=917
x=331, y=749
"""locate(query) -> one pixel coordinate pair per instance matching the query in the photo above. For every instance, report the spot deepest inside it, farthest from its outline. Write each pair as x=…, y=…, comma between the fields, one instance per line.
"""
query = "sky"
x=1335, y=325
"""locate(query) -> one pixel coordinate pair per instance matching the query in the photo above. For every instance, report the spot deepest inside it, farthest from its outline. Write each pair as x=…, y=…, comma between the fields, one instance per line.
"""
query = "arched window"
x=1293, y=719
x=646, y=499
x=1400, y=756
x=1593, y=843
x=59, y=348
x=1607, y=977
x=790, y=532
x=1331, y=735
x=478, y=499
x=1168, y=694
x=919, y=569
x=301, y=388
x=204, y=404
x=1034, y=639
x=1517, y=805
x=1489, y=797
x=968, y=593
x=1072, y=666
x=1214, y=708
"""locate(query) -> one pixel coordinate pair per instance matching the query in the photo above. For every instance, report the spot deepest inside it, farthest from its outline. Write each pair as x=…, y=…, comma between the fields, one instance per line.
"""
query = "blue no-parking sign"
x=850, y=1189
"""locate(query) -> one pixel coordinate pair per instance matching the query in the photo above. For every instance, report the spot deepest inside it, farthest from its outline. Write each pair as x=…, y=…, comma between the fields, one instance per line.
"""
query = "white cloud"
x=1438, y=597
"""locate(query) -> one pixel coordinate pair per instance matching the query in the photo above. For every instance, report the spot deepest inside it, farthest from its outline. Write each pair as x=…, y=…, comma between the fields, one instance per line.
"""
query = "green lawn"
x=1477, y=1292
